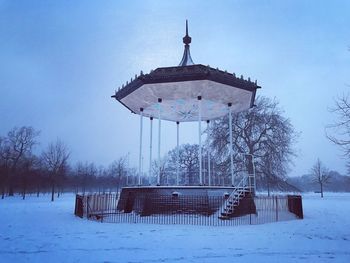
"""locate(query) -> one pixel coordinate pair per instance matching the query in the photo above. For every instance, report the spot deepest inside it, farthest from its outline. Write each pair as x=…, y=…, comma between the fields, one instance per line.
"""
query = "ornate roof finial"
x=186, y=58
x=187, y=39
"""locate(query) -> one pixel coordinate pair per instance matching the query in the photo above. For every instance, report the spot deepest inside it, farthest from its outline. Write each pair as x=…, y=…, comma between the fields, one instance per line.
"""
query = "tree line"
x=22, y=171
x=263, y=143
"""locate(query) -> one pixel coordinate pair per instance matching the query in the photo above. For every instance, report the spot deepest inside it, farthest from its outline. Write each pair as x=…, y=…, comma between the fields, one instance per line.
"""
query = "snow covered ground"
x=36, y=230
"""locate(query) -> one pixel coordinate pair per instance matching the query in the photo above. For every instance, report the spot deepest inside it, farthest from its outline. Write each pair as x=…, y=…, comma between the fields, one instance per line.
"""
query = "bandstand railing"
x=192, y=210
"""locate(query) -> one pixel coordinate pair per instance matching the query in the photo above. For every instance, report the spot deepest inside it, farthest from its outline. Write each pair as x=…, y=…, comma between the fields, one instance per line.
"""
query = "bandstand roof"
x=180, y=87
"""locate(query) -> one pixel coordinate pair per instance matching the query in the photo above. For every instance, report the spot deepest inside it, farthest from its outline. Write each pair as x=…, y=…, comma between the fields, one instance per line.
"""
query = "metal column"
x=209, y=175
x=128, y=169
x=140, y=153
x=231, y=144
x=159, y=133
x=254, y=179
x=150, y=151
x=177, y=153
x=200, y=138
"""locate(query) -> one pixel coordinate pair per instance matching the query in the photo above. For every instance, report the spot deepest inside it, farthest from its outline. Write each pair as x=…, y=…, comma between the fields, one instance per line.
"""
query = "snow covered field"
x=36, y=230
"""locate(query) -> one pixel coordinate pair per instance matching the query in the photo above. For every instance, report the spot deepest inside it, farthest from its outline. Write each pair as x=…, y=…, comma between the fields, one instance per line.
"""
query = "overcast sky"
x=61, y=60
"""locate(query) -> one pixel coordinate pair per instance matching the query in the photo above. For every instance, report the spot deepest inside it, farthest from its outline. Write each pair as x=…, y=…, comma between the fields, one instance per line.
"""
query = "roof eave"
x=186, y=73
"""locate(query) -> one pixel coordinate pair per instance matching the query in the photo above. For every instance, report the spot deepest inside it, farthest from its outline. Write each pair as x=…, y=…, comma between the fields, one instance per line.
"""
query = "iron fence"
x=191, y=210
x=79, y=206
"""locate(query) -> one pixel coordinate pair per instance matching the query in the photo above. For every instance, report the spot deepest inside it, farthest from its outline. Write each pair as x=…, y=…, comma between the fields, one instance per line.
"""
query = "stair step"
x=226, y=214
x=224, y=217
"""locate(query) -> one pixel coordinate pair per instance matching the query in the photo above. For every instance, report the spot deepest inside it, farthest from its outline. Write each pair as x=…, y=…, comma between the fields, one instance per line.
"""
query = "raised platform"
x=147, y=200
x=139, y=207
x=181, y=190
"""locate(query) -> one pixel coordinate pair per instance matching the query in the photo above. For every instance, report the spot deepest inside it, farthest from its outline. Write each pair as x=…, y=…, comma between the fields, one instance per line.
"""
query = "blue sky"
x=61, y=60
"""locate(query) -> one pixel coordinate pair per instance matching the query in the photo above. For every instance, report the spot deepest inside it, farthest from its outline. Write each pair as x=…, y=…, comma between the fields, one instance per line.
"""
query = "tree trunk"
x=10, y=180
x=3, y=186
x=11, y=191
x=24, y=187
x=53, y=191
x=250, y=169
x=250, y=165
x=321, y=184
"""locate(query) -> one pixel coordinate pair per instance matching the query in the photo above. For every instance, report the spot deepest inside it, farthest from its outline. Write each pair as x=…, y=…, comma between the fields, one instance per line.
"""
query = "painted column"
x=150, y=151
x=209, y=175
x=128, y=169
x=231, y=144
x=254, y=179
x=215, y=175
x=177, y=153
x=140, y=153
x=200, y=138
x=159, y=135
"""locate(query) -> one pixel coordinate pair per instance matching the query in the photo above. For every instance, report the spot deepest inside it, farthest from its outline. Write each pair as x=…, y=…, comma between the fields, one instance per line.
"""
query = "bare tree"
x=262, y=132
x=118, y=171
x=82, y=174
x=20, y=142
x=28, y=171
x=188, y=163
x=320, y=175
x=86, y=174
x=339, y=131
x=4, y=164
x=55, y=159
x=161, y=169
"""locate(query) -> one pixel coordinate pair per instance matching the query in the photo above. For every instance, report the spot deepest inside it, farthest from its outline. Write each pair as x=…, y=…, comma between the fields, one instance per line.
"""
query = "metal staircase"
x=245, y=186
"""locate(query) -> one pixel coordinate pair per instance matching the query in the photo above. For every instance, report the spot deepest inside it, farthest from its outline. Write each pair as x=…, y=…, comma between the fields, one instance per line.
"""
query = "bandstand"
x=188, y=92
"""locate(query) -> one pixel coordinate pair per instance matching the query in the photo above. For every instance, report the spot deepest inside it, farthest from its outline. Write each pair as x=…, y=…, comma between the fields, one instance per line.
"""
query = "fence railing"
x=79, y=206
x=192, y=210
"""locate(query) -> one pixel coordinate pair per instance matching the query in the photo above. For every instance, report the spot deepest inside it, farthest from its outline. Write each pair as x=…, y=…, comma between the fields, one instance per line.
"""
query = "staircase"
x=245, y=186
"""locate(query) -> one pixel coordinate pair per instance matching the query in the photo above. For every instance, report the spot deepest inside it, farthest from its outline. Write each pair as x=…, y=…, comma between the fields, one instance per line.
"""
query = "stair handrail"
x=241, y=184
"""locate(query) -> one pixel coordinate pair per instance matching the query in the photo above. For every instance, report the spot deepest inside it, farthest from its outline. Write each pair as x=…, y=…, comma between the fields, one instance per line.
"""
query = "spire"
x=186, y=58
x=187, y=39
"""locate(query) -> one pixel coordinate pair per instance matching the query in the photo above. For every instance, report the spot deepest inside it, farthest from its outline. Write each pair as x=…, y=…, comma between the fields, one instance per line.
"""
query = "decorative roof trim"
x=186, y=73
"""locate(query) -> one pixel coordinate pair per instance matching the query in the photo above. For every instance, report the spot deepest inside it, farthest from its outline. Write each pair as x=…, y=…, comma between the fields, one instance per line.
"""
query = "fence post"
x=87, y=207
x=250, y=209
x=76, y=205
x=276, y=209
